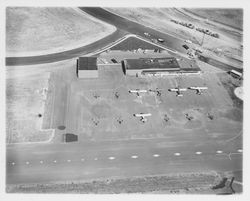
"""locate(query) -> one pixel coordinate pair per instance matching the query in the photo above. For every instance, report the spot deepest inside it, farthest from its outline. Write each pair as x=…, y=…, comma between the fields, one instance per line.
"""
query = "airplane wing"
x=173, y=89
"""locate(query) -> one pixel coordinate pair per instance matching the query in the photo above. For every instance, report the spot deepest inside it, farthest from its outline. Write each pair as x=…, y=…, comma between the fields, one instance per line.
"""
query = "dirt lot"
x=37, y=31
x=172, y=184
x=231, y=17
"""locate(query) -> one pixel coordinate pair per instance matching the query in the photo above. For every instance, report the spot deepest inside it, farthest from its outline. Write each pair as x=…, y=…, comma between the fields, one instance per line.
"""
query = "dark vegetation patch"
x=134, y=44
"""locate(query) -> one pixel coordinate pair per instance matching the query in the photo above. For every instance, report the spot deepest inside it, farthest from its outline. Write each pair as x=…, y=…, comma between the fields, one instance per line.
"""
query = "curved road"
x=49, y=58
x=124, y=26
x=42, y=163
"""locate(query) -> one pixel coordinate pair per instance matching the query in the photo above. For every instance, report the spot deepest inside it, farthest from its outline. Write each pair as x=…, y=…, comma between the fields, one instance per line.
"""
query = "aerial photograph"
x=124, y=100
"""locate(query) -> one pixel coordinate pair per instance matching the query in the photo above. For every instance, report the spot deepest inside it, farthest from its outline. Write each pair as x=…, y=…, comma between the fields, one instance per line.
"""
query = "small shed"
x=87, y=67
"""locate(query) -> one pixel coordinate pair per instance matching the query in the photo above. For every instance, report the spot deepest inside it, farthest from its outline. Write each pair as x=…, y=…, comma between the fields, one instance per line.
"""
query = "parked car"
x=185, y=46
x=188, y=41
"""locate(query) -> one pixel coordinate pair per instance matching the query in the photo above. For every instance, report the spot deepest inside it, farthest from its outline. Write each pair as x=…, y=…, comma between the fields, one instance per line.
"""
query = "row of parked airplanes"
x=178, y=90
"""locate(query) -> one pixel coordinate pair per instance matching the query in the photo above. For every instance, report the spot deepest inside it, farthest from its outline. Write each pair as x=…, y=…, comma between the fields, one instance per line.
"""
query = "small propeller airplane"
x=198, y=89
x=157, y=91
x=137, y=91
x=178, y=90
x=142, y=116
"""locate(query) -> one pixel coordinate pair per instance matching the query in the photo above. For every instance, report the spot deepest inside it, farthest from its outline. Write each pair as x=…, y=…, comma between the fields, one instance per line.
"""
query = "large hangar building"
x=158, y=66
x=87, y=67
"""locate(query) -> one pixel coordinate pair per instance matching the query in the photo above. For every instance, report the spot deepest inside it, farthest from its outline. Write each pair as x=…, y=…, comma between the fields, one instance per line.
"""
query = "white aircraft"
x=178, y=91
x=138, y=91
x=142, y=116
x=198, y=89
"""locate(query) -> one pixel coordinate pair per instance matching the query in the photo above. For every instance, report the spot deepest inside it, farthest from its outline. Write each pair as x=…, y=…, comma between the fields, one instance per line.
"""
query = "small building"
x=87, y=67
x=69, y=137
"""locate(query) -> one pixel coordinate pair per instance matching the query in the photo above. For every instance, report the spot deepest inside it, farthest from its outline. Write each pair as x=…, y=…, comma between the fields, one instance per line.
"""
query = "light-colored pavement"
x=95, y=160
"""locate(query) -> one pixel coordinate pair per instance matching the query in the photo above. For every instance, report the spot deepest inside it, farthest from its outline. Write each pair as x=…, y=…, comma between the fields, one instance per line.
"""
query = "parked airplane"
x=142, y=116
x=157, y=91
x=178, y=91
x=138, y=91
x=198, y=89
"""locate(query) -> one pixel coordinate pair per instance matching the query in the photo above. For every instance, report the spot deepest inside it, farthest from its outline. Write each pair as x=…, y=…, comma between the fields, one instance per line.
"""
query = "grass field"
x=36, y=31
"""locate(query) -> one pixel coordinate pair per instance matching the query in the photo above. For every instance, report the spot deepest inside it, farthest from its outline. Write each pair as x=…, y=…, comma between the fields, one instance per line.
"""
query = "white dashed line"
x=111, y=158
x=219, y=152
x=240, y=150
x=41, y=162
x=13, y=163
x=134, y=156
x=27, y=163
x=69, y=161
x=54, y=161
x=198, y=152
x=156, y=155
x=177, y=154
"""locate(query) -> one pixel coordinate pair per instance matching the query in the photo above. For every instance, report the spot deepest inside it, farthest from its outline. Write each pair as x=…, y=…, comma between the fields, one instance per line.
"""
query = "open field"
x=25, y=101
x=37, y=31
x=230, y=17
x=30, y=92
x=171, y=184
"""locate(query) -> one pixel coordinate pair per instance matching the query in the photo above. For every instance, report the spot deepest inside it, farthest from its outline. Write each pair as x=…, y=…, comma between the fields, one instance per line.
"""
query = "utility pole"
x=202, y=39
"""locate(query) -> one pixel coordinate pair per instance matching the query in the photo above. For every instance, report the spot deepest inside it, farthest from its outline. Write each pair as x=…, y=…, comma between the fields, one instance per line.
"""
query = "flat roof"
x=87, y=63
x=152, y=63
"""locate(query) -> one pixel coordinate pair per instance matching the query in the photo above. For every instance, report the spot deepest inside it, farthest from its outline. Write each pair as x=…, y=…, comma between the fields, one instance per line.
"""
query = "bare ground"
x=25, y=100
x=37, y=31
x=170, y=184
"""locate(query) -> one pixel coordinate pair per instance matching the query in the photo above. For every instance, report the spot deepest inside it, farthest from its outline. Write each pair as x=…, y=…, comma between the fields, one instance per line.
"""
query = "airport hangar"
x=87, y=67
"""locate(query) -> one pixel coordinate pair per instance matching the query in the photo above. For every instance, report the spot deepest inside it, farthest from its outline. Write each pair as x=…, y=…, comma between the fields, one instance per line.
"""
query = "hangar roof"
x=87, y=63
x=151, y=63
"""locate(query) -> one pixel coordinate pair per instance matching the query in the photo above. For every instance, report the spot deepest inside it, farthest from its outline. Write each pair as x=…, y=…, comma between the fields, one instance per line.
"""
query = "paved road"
x=171, y=42
x=124, y=26
x=49, y=58
x=41, y=163
x=38, y=163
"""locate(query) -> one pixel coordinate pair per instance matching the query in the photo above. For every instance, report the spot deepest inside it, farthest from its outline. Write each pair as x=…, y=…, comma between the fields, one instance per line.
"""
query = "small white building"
x=87, y=67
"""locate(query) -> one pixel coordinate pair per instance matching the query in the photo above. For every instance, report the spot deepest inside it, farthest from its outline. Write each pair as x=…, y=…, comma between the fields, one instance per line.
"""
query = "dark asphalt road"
x=171, y=42
x=41, y=163
x=123, y=26
x=49, y=58
x=38, y=163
